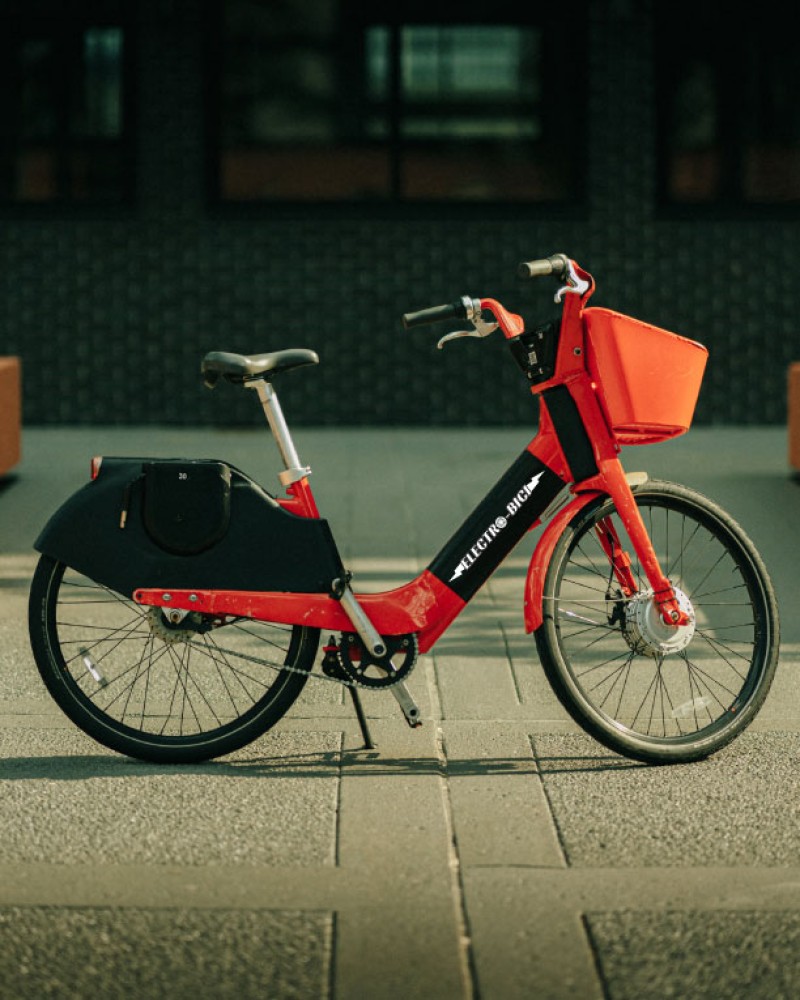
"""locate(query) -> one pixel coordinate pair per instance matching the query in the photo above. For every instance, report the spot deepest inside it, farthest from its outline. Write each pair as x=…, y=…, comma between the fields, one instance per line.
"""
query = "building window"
x=62, y=109
x=729, y=120
x=356, y=101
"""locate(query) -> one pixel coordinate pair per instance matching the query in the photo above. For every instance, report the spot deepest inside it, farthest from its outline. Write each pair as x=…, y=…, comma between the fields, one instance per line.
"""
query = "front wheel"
x=172, y=692
x=646, y=690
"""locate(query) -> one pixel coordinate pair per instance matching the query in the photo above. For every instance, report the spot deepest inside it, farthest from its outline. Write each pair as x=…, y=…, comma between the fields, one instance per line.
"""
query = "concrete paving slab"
x=61, y=952
x=526, y=940
x=734, y=809
x=502, y=817
x=104, y=808
x=706, y=956
x=395, y=822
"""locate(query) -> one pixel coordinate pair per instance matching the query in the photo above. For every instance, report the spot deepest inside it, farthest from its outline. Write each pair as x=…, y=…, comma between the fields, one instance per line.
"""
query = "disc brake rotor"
x=367, y=670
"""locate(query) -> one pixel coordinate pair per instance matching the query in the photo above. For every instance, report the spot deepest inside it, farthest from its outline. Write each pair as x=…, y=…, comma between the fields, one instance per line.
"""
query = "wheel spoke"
x=592, y=565
x=706, y=681
x=718, y=647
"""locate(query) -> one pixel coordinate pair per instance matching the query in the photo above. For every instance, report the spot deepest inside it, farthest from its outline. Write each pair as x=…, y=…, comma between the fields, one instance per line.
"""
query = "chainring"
x=367, y=670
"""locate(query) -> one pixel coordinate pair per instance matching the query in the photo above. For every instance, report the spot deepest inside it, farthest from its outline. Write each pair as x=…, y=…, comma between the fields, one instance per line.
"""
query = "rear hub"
x=172, y=625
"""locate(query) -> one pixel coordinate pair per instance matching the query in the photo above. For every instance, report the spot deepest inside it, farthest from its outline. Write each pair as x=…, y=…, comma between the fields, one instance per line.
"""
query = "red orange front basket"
x=648, y=379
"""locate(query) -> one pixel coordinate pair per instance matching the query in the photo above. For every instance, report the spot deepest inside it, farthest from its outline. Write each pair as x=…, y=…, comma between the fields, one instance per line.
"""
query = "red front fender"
x=540, y=560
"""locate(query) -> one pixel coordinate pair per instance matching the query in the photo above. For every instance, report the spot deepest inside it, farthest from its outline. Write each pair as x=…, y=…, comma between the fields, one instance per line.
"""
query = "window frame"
x=66, y=25
x=725, y=58
x=573, y=205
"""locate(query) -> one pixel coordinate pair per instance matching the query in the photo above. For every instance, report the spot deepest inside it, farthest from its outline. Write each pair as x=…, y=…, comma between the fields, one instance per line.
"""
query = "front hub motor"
x=648, y=634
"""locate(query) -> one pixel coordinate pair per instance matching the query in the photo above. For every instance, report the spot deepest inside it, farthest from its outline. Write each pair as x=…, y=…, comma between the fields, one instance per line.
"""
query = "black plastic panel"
x=496, y=525
x=264, y=548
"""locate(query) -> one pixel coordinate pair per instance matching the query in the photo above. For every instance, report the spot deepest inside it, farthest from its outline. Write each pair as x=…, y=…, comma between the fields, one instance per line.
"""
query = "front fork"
x=611, y=480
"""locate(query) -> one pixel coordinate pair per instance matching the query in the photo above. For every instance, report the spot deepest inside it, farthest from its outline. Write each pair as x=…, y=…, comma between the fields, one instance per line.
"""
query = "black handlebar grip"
x=453, y=310
x=558, y=265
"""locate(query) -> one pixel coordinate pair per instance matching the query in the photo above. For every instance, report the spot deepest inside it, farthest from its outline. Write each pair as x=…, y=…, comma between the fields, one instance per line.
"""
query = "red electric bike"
x=176, y=610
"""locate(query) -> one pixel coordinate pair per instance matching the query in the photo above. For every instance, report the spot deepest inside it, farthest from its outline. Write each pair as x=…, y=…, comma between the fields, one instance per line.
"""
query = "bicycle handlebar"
x=464, y=308
x=558, y=265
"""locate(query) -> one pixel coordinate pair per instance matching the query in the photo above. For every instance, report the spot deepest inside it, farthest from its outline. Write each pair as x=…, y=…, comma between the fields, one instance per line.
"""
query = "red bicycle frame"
x=574, y=446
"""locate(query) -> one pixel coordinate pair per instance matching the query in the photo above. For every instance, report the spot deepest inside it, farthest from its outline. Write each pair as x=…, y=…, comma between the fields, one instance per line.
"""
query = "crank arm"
x=407, y=704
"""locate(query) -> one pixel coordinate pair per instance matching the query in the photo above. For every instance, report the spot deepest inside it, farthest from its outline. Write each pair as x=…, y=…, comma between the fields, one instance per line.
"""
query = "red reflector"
x=96, y=462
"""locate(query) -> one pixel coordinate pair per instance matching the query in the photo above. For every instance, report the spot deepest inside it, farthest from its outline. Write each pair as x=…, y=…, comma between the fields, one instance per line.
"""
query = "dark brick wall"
x=111, y=315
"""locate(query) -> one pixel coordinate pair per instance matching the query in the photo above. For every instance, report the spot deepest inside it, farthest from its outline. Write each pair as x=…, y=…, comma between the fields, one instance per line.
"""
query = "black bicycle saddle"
x=240, y=368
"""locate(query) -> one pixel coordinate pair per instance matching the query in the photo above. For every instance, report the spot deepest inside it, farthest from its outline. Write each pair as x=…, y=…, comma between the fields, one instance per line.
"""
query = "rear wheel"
x=644, y=689
x=158, y=690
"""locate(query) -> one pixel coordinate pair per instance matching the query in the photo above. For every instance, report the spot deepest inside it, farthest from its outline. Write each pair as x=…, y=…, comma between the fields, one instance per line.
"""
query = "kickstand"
x=362, y=719
x=332, y=668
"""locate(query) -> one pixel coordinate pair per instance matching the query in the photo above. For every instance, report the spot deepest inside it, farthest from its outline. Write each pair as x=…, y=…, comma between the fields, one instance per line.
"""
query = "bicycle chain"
x=279, y=667
x=343, y=681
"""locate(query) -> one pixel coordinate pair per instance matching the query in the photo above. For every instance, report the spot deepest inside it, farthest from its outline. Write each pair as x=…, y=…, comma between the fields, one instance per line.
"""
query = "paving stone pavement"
x=496, y=853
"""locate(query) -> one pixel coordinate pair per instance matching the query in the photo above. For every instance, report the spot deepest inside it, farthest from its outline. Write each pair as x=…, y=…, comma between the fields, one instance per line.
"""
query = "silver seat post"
x=293, y=470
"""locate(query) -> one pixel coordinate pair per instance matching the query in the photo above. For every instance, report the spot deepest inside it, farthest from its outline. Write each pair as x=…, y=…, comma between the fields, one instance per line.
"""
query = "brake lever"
x=482, y=329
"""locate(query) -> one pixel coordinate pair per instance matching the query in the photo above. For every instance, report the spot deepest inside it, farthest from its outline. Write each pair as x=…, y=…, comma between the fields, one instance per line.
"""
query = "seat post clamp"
x=289, y=476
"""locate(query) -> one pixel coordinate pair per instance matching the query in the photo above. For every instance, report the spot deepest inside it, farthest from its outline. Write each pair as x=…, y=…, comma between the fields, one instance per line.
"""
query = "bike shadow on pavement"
x=350, y=763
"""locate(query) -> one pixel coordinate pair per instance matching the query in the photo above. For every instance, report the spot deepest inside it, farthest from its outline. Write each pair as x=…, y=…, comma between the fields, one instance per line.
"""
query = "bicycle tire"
x=153, y=691
x=602, y=652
